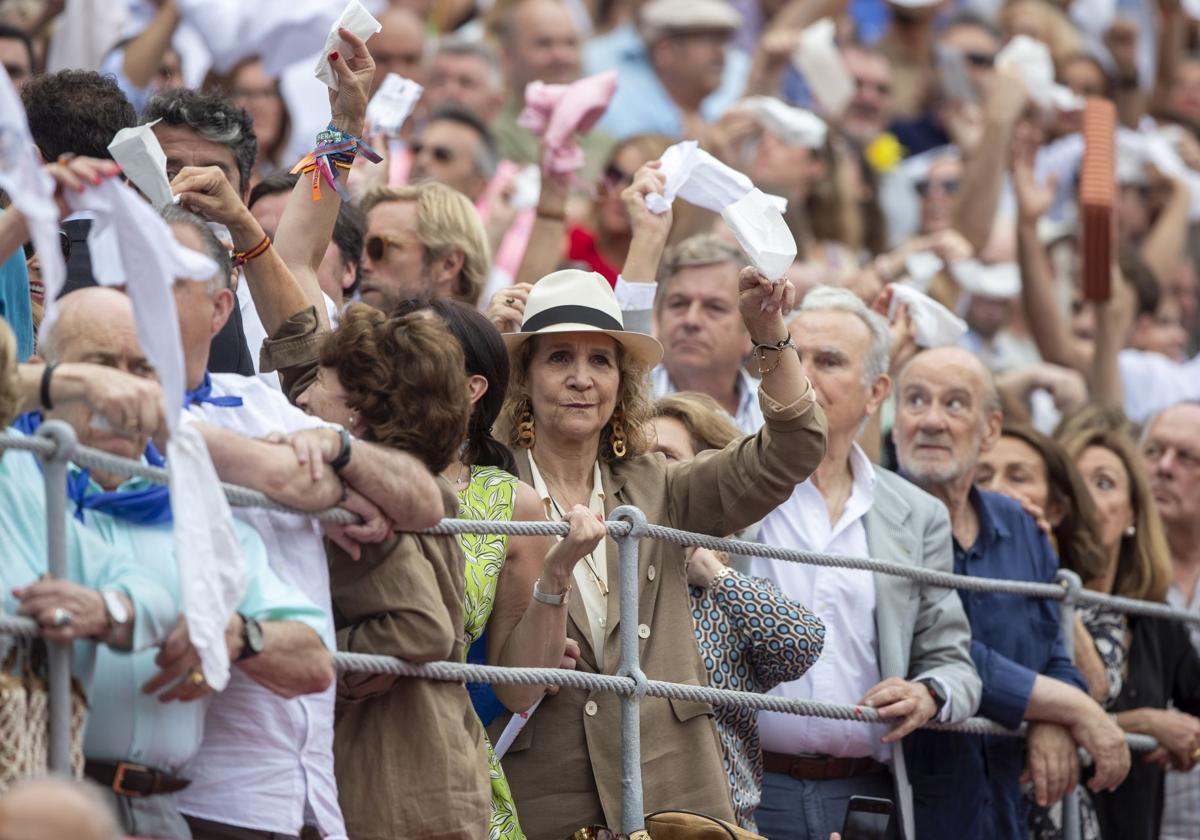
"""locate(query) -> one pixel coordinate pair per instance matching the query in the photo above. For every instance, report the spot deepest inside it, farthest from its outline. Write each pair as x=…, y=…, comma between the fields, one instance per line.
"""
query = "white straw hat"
x=573, y=301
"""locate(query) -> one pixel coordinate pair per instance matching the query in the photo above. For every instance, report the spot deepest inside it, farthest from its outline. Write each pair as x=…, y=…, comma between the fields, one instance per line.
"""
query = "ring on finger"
x=62, y=617
x=196, y=678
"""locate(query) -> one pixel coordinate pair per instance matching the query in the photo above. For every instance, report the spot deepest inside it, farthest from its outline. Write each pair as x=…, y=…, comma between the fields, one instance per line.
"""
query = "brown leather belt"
x=819, y=767
x=135, y=780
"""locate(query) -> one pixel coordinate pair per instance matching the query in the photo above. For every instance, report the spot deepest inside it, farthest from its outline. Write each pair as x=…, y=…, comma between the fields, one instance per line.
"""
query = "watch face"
x=254, y=636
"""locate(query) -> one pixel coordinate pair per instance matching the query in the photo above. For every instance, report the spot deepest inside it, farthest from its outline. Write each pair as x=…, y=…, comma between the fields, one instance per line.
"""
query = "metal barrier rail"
x=46, y=447
x=56, y=445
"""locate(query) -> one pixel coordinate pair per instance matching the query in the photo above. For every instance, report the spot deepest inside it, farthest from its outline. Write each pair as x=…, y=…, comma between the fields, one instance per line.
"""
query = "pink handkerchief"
x=556, y=113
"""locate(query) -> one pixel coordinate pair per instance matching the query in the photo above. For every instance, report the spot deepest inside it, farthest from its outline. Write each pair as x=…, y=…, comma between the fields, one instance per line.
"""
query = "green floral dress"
x=489, y=495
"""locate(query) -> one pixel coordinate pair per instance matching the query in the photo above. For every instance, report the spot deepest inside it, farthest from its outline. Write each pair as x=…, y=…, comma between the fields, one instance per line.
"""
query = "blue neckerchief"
x=149, y=506
x=203, y=394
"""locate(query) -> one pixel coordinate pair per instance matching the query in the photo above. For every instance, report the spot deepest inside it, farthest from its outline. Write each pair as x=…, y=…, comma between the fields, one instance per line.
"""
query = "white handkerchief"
x=793, y=126
x=32, y=193
x=143, y=161
x=212, y=570
x=359, y=21
x=1030, y=59
x=761, y=231
x=280, y=33
x=935, y=325
x=392, y=103
x=699, y=178
x=994, y=280
x=817, y=59
x=922, y=267
x=130, y=245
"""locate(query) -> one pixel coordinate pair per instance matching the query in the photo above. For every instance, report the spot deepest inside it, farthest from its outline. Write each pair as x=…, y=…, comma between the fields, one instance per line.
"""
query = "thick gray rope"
x=464, y=672
x=84, y=456
x=243, y=497
x=15, y=625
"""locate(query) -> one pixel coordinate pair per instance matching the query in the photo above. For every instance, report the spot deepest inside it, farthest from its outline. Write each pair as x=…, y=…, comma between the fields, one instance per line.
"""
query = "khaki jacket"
x=408, y=753
x=565, y=766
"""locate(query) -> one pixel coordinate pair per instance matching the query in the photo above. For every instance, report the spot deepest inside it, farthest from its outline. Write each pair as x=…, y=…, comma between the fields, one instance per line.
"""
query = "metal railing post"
x=1071, y=817
x=632, y=812
x=54, y=468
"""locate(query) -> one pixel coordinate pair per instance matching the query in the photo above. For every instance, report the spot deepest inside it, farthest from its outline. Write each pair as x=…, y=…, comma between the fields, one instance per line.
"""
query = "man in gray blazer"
x=898, y=646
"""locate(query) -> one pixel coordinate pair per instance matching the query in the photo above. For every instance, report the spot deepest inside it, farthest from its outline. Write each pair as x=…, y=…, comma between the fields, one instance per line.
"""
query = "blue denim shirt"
x=965, y=786
x=15, y=306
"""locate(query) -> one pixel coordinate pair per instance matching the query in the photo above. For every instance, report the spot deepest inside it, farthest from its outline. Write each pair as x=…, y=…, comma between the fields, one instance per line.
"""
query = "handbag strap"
x=714, y=820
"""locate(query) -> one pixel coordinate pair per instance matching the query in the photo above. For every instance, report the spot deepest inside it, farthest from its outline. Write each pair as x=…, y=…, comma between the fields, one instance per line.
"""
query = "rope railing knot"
x=633, y=518
x=63, y=438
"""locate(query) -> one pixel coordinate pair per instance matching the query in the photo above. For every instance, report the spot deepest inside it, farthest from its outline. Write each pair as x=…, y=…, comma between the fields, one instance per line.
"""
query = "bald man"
x=399, y=47
x=968, y=786
x=51, y=809
x=540, y=43
x=1171, y=452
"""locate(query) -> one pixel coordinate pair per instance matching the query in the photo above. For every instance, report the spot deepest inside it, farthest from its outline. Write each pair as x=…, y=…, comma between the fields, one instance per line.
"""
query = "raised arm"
x=144, y=53
x=983, y=166
x=1163, y=248
x=545, y=249
x=307, y=223
x=749, y=478
x=1049, y=329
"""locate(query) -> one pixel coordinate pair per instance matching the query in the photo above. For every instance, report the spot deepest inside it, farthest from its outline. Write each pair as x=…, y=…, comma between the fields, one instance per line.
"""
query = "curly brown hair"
x=406, y=377
x=633, y=394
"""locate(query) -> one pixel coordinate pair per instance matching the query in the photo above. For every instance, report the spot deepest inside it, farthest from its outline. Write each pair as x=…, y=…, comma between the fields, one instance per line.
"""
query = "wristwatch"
x=252, y=638
x=114, y=609
x=936, y=692
x=546, y=598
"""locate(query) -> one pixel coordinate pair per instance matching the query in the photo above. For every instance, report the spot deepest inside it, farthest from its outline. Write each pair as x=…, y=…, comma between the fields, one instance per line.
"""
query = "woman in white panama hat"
x=577, y=417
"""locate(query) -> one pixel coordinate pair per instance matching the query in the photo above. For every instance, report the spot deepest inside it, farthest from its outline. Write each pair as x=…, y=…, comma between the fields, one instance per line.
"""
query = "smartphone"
x=867, y=818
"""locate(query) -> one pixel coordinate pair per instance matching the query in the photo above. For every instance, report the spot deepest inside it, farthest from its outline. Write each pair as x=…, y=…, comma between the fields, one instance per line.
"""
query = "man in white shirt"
x=895, y=645
x=1171, y=449
x=265, y=767
x=696, y=319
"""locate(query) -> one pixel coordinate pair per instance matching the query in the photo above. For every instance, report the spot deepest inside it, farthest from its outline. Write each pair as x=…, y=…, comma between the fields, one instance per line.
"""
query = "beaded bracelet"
x=335, y=150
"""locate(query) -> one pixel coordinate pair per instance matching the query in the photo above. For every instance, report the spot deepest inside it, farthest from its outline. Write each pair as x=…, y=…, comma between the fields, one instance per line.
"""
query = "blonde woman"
x=1162, y=664
x=741, y=651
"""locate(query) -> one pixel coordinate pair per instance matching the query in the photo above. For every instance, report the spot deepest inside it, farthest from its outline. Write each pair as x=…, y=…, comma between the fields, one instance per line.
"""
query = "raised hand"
x=764, y=304
x=355, y=71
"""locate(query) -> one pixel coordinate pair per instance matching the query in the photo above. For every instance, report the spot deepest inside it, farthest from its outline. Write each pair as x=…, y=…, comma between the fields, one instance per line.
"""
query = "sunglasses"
x=978, y=59
x=949, y=185
x=442, y=154
x=614, y=177
x=64, y=242
x=377, y=246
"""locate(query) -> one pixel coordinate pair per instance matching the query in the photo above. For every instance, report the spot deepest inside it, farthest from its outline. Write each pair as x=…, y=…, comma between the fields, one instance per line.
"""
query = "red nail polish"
x=333, y=56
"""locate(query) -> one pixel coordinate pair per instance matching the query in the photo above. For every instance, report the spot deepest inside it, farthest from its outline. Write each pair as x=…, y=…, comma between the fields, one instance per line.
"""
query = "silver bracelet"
x=546, y=598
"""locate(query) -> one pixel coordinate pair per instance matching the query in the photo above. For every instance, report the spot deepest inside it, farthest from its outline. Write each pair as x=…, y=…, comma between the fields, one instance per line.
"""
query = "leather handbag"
x=690, y=825
x=672, y=825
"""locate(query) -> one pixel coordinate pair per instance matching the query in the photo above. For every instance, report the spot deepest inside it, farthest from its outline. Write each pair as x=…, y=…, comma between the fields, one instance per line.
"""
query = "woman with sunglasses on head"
x=1162, y=666
x=1034, y=470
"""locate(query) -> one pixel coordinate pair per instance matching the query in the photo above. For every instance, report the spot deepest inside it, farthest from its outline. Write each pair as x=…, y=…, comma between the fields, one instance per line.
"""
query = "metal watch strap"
x=546, y=598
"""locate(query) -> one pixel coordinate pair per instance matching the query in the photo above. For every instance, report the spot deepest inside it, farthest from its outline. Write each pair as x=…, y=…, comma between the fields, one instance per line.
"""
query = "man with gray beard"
x=969, y=786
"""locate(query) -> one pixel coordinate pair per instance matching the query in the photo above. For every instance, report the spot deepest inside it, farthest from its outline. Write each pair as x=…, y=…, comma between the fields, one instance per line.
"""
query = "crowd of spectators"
x=461, y=314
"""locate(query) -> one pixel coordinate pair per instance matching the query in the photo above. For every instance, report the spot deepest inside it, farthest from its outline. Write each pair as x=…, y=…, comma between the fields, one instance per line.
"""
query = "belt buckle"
x=118, y=783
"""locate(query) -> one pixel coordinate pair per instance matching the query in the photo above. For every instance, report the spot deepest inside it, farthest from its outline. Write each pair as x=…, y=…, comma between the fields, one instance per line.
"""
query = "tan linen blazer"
x=565, y=766
x=408, y=753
